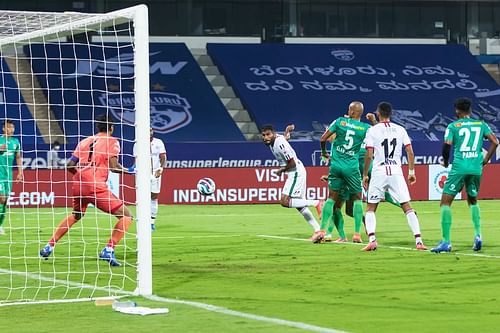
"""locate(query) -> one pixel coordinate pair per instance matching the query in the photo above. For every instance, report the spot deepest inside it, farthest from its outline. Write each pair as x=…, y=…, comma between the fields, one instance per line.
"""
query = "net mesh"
x=54, y=81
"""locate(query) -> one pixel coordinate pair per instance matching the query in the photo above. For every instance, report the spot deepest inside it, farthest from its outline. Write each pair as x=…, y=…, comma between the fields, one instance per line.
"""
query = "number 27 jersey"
x=387, y=140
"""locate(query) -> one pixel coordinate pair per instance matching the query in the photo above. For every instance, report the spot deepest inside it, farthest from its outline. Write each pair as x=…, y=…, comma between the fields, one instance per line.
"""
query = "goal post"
x=54, y=81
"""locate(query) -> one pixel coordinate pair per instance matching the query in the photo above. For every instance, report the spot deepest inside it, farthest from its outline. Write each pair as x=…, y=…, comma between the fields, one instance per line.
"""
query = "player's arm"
x=411, y=164
x=19, y=161
x=371, y=118
x=116, y=167
x=288, y=130
x=366, y=168
x=322, y=141
x=163, y=161
x=446, y=153
x=493, y=146
x=71, y=164
x=290, y=164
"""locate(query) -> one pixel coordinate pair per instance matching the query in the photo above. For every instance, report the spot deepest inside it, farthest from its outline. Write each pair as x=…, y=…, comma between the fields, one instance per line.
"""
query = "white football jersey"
x=387, y=140
x=157, y=148
x=283, y=151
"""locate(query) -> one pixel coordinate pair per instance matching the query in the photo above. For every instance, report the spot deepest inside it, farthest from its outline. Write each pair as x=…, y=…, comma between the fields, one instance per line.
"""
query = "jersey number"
x=91, y=151
x=350, y=140
x=386, y=144
x=465, y=132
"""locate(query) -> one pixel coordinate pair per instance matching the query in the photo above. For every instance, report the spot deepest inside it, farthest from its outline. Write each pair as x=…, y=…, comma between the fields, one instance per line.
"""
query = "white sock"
x=154, y=209
x=309, y=218
x=371, y=224
x=299, y=203
x=414, y=225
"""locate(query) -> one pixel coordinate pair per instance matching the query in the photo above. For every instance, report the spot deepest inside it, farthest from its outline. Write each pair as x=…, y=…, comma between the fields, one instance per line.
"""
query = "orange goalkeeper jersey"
x=93, y=154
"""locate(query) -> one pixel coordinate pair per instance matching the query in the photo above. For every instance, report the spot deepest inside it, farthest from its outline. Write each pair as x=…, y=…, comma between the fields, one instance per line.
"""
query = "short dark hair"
x=384, y=109
x=56, y=143
x=8, y=121
x=104, y=122
x=463, y=104
x=267, y=128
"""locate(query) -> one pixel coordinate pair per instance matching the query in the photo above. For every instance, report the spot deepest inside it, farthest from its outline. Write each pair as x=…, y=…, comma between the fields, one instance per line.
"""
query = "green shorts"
x=455, y=182
x=340, y=177
x=5, y=187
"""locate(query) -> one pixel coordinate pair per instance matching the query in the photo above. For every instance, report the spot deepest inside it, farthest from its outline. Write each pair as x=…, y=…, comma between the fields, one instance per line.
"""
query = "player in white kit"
x=294, y=190
x=158, y=162
x=384, y=143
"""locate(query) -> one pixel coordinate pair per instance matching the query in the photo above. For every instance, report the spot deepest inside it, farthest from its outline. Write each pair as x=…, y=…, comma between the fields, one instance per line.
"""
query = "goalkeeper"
x=90, y=164
x=9, y=148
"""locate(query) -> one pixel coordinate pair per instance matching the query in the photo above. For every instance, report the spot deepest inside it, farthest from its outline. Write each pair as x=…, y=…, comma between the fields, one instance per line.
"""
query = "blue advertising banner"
x=13, y=107
x=311, y=85
x=83, y=81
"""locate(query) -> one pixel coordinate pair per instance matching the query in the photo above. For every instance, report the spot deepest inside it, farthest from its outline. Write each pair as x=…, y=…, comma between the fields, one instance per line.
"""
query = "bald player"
x=344, y=171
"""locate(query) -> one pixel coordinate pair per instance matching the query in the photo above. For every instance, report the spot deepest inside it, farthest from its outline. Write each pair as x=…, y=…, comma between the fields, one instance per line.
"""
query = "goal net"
x=59, y=71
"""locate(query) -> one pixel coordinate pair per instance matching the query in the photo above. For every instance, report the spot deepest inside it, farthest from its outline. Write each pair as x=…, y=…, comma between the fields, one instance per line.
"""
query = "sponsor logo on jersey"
x=343, y=55
x=458, y=125
x=169, y=112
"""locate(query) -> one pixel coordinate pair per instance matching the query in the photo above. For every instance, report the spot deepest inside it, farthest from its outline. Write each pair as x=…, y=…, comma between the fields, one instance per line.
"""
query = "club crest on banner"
x=169, y=112
x=344, y=55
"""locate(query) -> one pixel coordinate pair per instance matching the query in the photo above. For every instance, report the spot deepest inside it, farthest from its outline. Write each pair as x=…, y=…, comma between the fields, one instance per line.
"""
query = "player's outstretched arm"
x=116, y=167
x=288, y=130
x=493, y=146
x=412, y=179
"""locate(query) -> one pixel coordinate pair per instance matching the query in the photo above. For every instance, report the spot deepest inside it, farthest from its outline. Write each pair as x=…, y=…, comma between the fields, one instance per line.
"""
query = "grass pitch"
x=254, y=259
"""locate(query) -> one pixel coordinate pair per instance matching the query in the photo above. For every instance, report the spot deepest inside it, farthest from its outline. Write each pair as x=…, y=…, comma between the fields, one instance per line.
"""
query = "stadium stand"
x=14, y=107
x=313, y=84
x=184, y=105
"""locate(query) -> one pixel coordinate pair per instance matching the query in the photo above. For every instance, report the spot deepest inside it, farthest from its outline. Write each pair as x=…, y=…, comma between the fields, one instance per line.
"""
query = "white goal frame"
x=139, y=15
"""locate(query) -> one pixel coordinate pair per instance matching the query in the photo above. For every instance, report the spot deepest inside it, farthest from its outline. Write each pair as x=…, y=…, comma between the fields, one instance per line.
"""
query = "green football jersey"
x=347, y=144
x=467, y=137
x=12, y=146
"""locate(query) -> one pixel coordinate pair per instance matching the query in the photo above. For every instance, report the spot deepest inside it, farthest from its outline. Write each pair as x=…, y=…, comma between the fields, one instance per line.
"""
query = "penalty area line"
x=480, y=255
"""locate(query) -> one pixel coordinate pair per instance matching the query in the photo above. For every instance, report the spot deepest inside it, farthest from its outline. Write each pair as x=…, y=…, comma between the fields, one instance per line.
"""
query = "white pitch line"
x=204, y=306
x=481, y=255
x=218, y=309
x=184, y=237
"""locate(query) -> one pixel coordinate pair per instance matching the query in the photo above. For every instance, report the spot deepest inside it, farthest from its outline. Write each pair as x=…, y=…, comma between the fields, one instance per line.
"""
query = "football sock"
x=391, y=200
x=326, y=214
x=62, y=229
x=154, y=209
x=476, y=220
x=339, y=222
x=371, y=224
x=119, y=231
x=2, y=213
x=309, y=218
x=446, y=222
x=299, y=203
x=358, y=215
x=331, y=226
x=412, y=219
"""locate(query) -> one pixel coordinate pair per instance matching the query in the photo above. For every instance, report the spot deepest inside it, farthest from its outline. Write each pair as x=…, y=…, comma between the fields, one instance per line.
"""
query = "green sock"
x=331, y=225
x=390, y=200
x=326, y=213
x=2, y=214
x=476, y=220
x=339, y=222
x=358, y=215
x=446, y=222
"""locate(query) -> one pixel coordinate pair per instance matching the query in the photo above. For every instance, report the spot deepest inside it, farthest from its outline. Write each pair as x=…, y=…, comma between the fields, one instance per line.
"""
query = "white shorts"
x=155, y=184
x=395, y=184
x=296, y=183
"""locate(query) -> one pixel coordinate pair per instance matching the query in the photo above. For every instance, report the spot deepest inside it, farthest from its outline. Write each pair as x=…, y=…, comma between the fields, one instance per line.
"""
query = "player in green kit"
x=9, y=148
x=344, y=166
x=466, y=135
